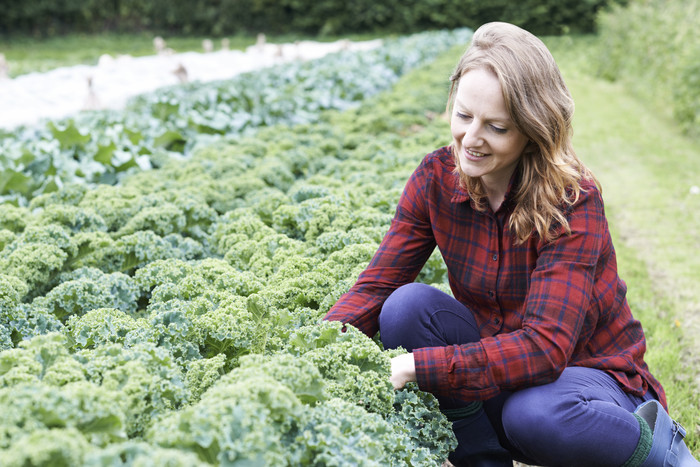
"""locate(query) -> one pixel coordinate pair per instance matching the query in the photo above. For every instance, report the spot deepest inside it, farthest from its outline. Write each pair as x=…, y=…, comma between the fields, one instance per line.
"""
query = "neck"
x=495, y=199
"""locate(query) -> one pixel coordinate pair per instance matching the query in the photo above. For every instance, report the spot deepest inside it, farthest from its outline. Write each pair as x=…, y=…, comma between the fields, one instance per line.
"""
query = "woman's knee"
x=418, y=315
x=403, y=314
x=530, y=416
x=405, y=302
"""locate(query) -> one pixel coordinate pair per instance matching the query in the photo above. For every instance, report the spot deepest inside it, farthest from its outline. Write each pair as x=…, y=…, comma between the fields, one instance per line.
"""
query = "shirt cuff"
x=431, y=369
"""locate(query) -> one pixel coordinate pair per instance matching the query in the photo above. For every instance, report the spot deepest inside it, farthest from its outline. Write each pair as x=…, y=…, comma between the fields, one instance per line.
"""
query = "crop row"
x=174, y=319
x=99, y=147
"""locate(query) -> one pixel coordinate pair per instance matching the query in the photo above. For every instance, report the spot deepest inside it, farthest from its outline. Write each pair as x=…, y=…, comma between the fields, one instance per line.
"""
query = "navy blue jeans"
x=582, y=418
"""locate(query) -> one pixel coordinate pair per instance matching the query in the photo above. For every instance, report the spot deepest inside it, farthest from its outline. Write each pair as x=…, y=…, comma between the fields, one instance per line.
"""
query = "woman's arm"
x=400, y=257
x=559, y=300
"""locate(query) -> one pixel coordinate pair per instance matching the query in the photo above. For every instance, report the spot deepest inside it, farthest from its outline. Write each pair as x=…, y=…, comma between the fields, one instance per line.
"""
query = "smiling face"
x=486, y=141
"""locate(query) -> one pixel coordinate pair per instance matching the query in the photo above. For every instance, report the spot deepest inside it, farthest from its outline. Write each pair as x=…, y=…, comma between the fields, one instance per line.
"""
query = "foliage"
x=175, y=317
x=280, y=410
x=653, y=47
x=222, y=17
x=103, y=146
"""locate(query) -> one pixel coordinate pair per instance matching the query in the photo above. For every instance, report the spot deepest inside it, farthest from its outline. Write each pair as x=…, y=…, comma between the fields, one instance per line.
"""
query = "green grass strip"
x=648, y=170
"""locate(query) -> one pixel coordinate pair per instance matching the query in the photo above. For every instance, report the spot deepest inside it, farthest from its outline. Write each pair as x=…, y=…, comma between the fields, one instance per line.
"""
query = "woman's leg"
x=583, y=418
x=417, y=315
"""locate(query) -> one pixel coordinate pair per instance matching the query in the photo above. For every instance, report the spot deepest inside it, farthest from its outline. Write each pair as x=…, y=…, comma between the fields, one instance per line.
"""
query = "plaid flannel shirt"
x=541, y=306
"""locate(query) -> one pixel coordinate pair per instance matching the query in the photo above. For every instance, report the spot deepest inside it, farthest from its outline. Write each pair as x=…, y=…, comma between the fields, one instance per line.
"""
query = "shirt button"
x=495, y=257
x=497, y=320
x=491, y=293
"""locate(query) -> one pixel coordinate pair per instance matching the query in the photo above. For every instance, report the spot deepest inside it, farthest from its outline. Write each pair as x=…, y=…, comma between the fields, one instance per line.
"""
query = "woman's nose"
x=472, y=134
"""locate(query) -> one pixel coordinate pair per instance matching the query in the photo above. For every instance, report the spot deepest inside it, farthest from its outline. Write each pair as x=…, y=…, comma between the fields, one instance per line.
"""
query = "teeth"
x=475, y=154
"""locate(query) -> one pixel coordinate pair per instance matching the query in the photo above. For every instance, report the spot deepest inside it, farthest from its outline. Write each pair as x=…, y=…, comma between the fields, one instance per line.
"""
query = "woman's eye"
x=464, y=116
x=498, y=130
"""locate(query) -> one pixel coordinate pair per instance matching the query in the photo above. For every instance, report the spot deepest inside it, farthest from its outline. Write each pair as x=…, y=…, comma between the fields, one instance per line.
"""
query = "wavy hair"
x=541, y=108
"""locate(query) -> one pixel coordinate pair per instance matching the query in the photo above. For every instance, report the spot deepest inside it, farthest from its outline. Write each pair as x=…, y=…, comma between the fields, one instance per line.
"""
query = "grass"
x=27, y=54
x=648, y=169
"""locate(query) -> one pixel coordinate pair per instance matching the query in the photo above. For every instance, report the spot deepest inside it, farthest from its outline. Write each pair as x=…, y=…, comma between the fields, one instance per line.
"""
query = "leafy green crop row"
x=98, y=147
x=174, y=319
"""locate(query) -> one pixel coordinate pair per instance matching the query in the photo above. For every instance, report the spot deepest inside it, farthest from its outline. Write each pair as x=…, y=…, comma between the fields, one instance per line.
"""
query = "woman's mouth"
x=474, y=155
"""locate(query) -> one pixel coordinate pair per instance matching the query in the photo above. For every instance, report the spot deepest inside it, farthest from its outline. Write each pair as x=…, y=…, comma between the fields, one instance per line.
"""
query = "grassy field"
x=648, y=171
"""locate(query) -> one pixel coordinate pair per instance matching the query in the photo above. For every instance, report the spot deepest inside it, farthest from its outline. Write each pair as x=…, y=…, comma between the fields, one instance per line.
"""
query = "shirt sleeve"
x=400, y=257
x=559, y=298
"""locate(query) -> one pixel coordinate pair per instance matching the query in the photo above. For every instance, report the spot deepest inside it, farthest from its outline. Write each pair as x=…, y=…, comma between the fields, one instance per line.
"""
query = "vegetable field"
x=164, y=270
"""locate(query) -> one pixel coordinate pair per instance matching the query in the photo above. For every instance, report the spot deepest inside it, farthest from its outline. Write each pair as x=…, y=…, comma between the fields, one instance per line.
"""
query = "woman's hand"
x=403, y=370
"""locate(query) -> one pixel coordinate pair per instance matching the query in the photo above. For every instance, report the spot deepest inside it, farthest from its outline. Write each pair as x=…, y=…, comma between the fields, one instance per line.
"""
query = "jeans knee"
x=417, y=315
x=404, y=314
x=404, y=301
x=527, y=418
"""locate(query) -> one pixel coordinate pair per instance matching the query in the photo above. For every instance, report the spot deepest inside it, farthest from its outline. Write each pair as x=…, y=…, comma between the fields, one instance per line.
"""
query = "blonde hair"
x=541, y=108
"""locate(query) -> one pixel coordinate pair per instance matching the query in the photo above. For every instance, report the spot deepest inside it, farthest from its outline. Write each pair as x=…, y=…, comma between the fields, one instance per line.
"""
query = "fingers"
x=403, y=370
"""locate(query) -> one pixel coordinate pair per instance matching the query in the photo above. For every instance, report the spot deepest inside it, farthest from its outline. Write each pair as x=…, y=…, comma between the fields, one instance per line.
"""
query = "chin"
x=463, y=176
x=464, y=170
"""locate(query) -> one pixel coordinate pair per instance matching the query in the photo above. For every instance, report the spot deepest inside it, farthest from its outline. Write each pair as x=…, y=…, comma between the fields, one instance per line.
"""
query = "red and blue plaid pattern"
x=541, y=306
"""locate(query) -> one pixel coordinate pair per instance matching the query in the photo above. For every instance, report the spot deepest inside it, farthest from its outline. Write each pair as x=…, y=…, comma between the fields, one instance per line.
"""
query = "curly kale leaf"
x=137, y=454
x=13, y=218
x=5, y=337
x=143, y=247
x=115, y=205
x=418, y=416
x=147, y=379
x=100, y=326
x=299, y=375
x=353, y=365
x=163, y=219
x=237, y=422
x=338, y=433
x=97, y=250
x=12, y=290
x=231, y=329
x=47, y=447
x=170, y=326
x=74, y=218
x=88, y=289
x=202, y=374
x=160, y=272
x=70, y=194
x=37, y=256
x=80, y=405
x=44, y=358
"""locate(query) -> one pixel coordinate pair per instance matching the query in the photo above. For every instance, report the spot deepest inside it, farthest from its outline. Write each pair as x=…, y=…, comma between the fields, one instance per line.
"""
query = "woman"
x=537, y=357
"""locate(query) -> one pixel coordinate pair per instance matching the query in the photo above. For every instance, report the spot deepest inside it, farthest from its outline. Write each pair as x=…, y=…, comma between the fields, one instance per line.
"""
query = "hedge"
x=308, y=17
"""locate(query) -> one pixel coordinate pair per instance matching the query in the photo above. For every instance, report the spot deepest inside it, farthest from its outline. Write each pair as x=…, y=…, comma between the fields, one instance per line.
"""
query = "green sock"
x=641, y=452
x=462, y=412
